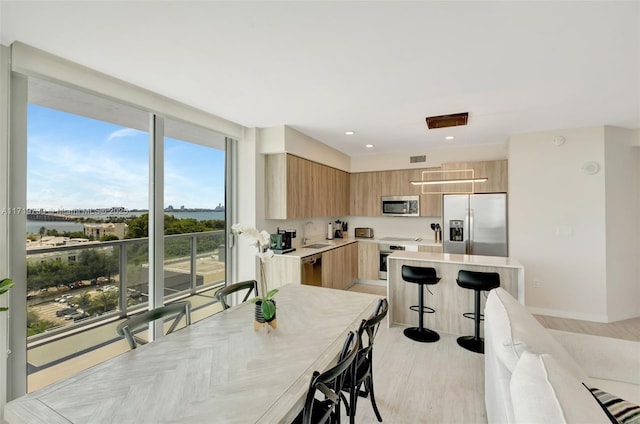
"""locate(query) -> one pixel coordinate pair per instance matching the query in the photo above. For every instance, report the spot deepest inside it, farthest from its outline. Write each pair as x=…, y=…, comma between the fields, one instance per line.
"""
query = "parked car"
x=66, y=311
x=64, y=298
x=75, y=316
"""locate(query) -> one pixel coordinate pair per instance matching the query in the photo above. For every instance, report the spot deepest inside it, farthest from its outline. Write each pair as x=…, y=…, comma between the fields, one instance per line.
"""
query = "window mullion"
x=156, y=218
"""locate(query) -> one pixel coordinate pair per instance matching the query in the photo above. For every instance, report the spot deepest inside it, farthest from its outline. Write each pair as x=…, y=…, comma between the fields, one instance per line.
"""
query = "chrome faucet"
x=304, y=232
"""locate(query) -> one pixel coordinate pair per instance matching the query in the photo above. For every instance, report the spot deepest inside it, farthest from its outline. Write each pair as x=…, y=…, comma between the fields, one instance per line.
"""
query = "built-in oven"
x=384, y=251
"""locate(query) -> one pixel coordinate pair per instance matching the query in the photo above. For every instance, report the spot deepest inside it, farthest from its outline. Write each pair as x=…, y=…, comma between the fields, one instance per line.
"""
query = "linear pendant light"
x=454, y=181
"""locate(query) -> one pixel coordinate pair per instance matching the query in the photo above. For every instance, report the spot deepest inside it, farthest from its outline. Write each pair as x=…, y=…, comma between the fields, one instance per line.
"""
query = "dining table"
x=217, y=370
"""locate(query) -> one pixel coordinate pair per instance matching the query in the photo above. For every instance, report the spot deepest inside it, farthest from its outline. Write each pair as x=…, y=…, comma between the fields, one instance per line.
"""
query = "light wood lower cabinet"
x=340, y=266
x=368, y=260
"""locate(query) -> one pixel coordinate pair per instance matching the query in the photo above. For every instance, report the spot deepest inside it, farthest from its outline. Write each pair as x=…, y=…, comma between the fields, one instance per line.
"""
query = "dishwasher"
x=311, y=270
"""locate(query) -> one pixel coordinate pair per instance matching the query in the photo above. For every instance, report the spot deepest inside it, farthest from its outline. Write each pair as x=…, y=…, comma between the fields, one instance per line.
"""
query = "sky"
x=75, y=162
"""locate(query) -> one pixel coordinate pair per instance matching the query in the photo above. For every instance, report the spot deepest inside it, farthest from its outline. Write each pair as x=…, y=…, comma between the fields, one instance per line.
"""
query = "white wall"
x=282, y=139
x=434, y=158
x=622, y=212
x=4, y=203
x=557, y=222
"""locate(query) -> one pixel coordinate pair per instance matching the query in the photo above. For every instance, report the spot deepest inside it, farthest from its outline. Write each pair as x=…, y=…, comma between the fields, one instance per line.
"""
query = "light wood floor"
x=441, y=382
x=424, y=382
x=628, y=329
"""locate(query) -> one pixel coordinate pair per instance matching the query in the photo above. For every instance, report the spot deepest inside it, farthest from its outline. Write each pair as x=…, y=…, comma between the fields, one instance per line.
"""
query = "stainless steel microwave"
x=401, y=205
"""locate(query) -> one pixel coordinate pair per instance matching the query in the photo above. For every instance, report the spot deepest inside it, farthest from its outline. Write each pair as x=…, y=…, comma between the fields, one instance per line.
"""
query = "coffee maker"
x=281, y=241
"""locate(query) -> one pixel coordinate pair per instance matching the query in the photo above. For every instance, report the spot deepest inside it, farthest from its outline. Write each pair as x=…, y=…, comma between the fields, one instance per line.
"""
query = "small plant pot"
x=259, y=318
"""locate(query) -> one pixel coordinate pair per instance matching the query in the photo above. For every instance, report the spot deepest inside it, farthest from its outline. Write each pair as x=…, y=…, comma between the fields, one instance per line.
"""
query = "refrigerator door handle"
x=470, y=227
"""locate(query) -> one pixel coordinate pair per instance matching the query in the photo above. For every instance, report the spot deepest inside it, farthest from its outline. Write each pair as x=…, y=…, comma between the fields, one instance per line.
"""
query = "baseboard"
x=568, y=314
x=382, y=283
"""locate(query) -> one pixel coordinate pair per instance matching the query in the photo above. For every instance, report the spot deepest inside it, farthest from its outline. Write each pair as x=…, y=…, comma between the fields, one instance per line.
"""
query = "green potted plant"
x=265, y=305
x=5, y=285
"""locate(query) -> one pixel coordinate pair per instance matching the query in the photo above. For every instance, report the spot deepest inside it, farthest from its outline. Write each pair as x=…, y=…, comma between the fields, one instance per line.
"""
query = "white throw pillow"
x=543, y=391
x=514, y=330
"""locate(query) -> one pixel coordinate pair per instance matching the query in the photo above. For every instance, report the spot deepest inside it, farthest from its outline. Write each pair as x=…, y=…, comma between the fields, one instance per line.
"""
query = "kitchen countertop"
x=302, y=252
x=496, y=261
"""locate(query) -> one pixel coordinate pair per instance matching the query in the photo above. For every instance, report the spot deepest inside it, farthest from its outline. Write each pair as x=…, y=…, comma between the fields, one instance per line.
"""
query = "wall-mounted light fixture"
x=464, y=177
x=454, y=181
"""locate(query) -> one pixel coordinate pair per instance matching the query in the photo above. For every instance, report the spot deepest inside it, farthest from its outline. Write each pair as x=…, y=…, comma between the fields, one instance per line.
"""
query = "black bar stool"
x=420, y=276
x=476, y=281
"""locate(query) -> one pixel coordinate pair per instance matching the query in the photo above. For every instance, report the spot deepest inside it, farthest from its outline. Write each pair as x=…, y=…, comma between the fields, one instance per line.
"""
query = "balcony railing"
x=119, y=287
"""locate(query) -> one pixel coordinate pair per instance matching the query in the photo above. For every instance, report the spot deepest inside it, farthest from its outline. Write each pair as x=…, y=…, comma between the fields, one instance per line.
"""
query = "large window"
x=89, y=198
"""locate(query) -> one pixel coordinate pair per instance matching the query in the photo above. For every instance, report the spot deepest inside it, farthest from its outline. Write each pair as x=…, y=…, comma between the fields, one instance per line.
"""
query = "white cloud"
x=125, y=132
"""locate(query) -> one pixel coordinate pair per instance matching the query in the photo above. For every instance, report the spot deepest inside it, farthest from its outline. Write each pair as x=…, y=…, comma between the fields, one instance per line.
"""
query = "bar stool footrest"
x=423, y=335
x=472, y=315
x=425, y=309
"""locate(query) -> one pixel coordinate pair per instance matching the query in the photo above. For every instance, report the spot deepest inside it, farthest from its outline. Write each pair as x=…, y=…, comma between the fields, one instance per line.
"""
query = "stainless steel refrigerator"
x=475, y=224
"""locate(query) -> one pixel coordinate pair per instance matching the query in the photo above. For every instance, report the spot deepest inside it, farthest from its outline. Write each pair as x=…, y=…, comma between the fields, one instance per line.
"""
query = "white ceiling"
x=377, y=68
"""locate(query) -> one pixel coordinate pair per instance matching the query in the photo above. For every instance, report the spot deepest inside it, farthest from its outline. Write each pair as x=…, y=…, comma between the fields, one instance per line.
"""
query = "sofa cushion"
x=543, y=391
x=618, y=410
x=514, y=330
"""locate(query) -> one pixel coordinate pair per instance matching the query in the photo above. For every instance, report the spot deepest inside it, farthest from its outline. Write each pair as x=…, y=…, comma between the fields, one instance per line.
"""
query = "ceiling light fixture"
x=449, y=137
x=368, y=146
x=349, y=132
x=454, y=181
x=444, y=121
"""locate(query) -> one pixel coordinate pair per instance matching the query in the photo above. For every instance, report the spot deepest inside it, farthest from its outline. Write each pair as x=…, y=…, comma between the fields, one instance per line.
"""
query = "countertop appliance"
x=475, y=224
x=363, y=232
x=281, y=241
x=400, y=205
x=311, y=270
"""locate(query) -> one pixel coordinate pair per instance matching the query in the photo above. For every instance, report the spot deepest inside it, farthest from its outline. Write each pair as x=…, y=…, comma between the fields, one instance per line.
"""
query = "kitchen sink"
x=317, y=246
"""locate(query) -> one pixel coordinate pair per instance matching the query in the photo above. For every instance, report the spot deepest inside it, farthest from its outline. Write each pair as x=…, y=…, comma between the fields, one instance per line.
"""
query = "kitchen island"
x=449, y=300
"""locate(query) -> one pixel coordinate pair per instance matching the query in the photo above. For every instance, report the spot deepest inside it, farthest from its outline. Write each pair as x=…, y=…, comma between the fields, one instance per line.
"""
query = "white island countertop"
x=452, y=258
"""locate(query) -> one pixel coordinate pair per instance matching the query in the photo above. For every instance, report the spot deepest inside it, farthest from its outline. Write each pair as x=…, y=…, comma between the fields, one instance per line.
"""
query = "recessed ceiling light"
x=349, y=132
x=449, y=137
x=368, y=146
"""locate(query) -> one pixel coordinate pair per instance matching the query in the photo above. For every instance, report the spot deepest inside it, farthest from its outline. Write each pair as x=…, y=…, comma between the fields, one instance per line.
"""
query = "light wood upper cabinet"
x=300, y=188
x=494, y=170
x=368, y=187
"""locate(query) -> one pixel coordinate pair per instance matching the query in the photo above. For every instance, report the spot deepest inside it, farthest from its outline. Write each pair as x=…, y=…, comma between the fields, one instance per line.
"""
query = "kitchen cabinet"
x=299, y=188
x=368, y=260
x=340, y=267
x=495, y=170
x=368, y=187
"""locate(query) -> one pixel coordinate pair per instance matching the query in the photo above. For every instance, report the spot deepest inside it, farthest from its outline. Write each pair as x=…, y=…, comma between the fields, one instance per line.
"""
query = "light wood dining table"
x=218, y=370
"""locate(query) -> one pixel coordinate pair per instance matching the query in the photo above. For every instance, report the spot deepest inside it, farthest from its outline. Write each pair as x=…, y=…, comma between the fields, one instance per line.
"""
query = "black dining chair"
x=249, y=285
x=128, y=328
x=328, y=385
x=361, y=373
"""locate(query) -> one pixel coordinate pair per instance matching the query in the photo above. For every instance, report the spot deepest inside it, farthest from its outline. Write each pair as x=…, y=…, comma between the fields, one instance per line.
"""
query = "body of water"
x=34, y=226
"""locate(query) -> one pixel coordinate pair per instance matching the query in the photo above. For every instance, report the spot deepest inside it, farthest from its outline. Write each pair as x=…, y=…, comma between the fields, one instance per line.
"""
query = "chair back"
x=127, y=329
x=370, y=327
x=329, y=383
x=249, y=285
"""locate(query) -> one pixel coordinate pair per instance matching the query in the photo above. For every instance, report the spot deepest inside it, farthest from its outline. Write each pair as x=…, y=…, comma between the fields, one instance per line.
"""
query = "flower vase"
x=260, y=321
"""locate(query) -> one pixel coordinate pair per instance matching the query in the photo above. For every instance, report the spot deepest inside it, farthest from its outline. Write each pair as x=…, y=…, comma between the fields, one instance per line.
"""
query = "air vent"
x=417, y=159
x=444, y=121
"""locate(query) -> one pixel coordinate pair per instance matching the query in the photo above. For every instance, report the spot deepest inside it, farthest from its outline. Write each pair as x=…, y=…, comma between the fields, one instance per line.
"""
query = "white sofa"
x=535, y=375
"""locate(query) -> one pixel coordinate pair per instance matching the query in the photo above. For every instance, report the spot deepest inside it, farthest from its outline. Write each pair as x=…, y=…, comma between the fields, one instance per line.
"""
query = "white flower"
x=266, y=255
x=261, y=239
